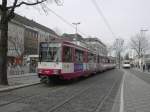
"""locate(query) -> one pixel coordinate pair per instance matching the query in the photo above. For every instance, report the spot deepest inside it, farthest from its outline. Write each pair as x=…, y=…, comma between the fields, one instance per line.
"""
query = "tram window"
x=98, y=59
x=106, y=60
x=52, y=54
x=67, y=54
x=85, y=57
x=109, y=61
x=103, y=60
x=90, y=57
x=79, y=55
x=95, y=58
x=49, y=54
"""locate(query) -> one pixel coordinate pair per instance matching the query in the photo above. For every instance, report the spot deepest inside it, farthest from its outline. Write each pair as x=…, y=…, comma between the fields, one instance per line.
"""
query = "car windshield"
x=50, y=52
x=126, y=62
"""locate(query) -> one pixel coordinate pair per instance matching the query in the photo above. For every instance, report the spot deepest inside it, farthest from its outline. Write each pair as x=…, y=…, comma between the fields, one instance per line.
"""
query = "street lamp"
x=142, y=32
x=76, y=26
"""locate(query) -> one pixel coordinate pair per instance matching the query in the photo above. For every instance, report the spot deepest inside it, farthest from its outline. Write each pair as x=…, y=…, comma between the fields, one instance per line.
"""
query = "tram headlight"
x=39, y=71
x=56, y=71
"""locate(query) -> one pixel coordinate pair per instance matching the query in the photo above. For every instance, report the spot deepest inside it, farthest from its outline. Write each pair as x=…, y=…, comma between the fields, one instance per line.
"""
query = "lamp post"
x=76, y=30
x=142, y=32
x=76, y=26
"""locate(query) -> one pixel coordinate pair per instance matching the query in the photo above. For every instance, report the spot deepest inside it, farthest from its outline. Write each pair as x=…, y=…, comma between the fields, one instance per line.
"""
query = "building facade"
x=24, y=36
x=30, y=42
x=142, y=61
x=97, y=45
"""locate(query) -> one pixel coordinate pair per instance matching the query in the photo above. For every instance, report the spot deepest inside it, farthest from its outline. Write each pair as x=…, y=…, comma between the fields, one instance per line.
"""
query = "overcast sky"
x=126, y=17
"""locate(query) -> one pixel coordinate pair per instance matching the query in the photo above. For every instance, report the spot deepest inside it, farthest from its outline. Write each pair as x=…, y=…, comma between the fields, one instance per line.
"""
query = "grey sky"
x=125, y=17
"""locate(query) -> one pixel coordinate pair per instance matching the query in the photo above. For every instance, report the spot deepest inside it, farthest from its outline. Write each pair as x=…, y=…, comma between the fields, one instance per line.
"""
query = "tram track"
x=67, y=100
x=61, y=97
x=54, y=89
x=104, y=98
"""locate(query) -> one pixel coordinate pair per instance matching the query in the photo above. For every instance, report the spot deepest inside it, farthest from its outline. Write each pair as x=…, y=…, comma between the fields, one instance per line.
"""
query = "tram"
x=126, y=64
x=64, y=60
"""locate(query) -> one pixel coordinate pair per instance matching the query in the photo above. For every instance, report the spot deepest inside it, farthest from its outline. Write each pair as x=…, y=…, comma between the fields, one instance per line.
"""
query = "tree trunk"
x=3, y=48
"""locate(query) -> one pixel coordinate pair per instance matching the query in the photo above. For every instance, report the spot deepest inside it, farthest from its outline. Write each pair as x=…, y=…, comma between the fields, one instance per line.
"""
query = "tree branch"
x=59, y=2
x=26, y=3
x=16, y=44
x=11, y=13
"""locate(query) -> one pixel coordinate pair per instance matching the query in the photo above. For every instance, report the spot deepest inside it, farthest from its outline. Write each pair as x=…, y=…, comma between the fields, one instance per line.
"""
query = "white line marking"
x=122, y=95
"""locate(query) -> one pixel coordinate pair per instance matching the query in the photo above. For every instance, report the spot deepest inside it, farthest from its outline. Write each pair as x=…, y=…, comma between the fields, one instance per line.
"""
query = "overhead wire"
x=103, y=17
x=64, y=20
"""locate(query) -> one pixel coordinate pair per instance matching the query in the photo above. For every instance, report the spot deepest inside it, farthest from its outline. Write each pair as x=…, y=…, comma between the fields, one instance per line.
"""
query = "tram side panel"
x=49, y=68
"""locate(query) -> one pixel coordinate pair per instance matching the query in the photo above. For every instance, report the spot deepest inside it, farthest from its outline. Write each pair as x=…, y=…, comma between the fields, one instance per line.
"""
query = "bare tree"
x=118, y=48
x=140, y=44
x=17, y=46
x=7, y=9
x=110, y=50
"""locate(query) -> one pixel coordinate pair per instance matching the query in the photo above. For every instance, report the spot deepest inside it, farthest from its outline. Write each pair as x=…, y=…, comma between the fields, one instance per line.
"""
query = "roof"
x=94, y=40
x=31, y=23
x=71, y=37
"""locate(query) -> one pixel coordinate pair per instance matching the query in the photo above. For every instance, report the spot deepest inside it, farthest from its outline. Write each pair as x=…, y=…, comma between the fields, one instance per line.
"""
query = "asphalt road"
x=93, y=94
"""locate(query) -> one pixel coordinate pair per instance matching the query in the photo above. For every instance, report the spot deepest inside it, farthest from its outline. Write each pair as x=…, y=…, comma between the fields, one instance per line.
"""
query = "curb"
x=142, y=71
x=18, y=76
x=17, y=87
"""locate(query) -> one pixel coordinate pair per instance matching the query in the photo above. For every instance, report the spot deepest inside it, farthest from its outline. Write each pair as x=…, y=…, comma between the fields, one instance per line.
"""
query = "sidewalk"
x=140, y=70
x=19, y=81
x=135, y=96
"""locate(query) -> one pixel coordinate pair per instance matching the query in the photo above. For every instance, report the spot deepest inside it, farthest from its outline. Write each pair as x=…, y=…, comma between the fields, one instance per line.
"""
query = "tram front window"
x=50, y=54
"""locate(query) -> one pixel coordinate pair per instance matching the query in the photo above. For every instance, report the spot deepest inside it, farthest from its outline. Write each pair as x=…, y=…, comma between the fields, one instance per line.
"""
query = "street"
x=125, y=90
x=92, y=94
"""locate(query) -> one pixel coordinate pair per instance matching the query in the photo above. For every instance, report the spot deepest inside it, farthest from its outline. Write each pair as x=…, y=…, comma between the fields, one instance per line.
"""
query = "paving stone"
x=136, y=93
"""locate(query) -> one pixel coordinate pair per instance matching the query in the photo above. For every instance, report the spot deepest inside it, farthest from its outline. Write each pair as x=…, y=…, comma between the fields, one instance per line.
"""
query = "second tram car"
x=61, y=59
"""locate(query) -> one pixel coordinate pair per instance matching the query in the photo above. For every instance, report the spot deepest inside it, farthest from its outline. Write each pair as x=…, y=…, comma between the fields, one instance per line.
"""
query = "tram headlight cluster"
x=40, y=71
x=56, y=71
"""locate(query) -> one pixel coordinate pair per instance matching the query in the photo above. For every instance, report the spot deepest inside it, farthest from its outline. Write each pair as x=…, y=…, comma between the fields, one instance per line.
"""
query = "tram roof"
x=69, y=43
